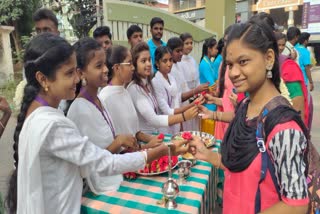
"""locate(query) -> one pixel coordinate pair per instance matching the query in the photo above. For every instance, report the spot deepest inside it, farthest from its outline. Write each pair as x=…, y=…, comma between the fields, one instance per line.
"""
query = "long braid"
x=30, y=92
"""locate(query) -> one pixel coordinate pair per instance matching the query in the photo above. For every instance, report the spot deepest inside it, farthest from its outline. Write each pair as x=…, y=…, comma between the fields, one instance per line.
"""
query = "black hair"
x=133, y=29
x=185, y=36
x=159, y=53
x=174, y=42
x=208, y=43
x=220, y=46
x=115, y=55
x=46, y=52
x=102, y=31
x=135, y=52
x=84, y=48
x=223, y=68
x=303, y=37
x=279, y=36
x=44, y=13
x=265, y=17
x=292, y=33
x=259, y=36
x=156, y=20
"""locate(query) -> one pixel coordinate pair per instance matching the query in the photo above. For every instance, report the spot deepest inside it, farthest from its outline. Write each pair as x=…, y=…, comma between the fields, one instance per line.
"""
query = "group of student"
x=117, y=98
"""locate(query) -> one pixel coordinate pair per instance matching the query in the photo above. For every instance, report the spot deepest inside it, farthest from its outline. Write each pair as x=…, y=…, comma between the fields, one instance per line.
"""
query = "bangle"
x=219, y=160
x=1, y=124
x=184, y=119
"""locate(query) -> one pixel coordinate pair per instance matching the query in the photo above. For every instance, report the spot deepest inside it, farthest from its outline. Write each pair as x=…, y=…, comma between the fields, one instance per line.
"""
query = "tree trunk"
x=16, y=39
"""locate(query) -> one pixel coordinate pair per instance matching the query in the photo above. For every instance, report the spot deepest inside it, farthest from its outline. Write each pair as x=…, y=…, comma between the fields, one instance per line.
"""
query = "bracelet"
x=184, y=119
x=219, y=158
x=1, y=124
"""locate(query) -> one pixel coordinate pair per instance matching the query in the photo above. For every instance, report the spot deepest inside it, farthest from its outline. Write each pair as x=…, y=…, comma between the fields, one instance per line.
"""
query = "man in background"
x=103, y=36
x=134, y=35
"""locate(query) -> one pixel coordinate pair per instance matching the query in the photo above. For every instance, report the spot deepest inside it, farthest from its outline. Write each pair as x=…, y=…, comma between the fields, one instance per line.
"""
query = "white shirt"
x=168, y=97
x=147, y=108
x=290, y=48
x=178, y=72
x=52, y=157
x=191, y=71
x=91, y=123
x=120, y=106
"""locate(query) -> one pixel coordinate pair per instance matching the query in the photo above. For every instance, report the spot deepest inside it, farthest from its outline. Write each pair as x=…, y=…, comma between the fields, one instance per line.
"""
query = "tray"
x=209, y=139
x=160, y=172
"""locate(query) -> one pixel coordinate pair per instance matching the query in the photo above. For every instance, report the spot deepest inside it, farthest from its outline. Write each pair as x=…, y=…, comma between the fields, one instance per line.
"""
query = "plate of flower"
x=207, y=138
x=159, y=166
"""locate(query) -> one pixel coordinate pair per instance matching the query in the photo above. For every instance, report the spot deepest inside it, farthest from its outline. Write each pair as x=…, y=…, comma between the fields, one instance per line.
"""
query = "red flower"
x=130, y=175
x=161, y=136
x=197, y=102
x=203, y=93
x=186, y=135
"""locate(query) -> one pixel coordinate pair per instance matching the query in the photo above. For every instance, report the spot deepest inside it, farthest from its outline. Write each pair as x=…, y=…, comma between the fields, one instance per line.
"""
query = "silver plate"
x=157, y=173
x=205, y=135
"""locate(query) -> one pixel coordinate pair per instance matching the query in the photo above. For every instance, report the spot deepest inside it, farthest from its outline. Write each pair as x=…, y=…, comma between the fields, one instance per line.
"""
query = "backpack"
x=313, y=159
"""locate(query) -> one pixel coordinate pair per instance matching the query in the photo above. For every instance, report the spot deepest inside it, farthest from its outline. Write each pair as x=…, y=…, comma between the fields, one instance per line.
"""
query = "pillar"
x=219, y=15
x=6, y=65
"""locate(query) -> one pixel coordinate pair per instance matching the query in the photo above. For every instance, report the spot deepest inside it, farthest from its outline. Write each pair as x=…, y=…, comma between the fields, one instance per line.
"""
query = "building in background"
x=192, y=10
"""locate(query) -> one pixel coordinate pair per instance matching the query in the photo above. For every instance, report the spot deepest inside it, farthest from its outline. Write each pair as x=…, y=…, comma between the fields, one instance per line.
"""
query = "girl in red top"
x=252, y=58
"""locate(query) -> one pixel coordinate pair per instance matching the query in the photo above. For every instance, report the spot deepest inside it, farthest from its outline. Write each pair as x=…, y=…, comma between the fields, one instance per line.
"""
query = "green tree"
x=18, y=13
x=82, y=16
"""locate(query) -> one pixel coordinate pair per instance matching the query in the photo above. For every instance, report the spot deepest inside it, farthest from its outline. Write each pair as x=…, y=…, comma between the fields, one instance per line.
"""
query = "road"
x=6, y=142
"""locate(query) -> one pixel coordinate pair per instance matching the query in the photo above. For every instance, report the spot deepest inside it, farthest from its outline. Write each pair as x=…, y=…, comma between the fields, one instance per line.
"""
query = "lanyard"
x=169, y=98
x=152, y=98
x=206, y=59
x=103, y=110
x=41, y=101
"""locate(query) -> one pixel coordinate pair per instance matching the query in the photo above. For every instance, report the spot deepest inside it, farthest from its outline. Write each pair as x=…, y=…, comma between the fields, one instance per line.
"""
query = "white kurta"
x=147, y=107
x=120, y=106
x=91, y=123
x=191, y=71
x=52, y=153
x=168, y=97
x=178, y=72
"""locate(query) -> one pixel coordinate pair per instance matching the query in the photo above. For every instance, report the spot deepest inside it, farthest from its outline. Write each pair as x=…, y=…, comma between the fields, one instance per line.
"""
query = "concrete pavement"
x=6, y=142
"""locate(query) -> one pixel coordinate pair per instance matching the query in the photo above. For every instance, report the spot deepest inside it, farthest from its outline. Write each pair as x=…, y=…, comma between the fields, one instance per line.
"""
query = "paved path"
x=6, y=142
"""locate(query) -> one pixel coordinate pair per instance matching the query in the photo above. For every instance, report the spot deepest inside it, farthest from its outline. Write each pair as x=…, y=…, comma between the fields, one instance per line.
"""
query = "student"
x=188, y=63
x=134, y=35
x=117, y=99
x=166, y=89
x=91, y=116
x=293, y=34
x=45, y=21
x=51, y=156
x=293, y=77
x=207, y=73
x=143, y=95
x=5, y=112
x=103, y=36
x=252, y=58
x=176, y=46
x=156, y=30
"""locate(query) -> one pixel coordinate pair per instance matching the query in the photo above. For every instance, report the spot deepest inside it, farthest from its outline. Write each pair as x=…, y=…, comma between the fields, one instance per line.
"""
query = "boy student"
x=103, y=36
x=156, y=30
x=134, y=35
x=293, y=34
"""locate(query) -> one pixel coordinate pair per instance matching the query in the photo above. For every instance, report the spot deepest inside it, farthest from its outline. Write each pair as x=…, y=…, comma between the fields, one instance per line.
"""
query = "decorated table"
x=143, y=194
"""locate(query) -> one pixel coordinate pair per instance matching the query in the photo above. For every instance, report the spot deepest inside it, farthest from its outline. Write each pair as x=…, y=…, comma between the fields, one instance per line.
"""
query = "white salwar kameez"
x=190, y=70
x=147, y=109
x=168, y=97
x=177, y=71
x=53, y=157
x=120, y=106
x=91, y=123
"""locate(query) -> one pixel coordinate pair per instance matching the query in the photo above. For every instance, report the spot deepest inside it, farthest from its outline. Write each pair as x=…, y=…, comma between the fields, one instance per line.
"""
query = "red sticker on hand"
x=186, y=135
x=203, y=93
x=197, y=102
x=161, y=136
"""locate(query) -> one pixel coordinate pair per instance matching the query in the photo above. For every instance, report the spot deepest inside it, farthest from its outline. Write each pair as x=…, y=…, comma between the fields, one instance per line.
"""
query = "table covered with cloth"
x=142, y=194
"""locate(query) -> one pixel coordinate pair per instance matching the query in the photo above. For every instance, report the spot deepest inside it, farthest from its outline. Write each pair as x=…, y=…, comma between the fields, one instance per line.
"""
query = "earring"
x=83, y=82
x=269, y=72
x=46, y=89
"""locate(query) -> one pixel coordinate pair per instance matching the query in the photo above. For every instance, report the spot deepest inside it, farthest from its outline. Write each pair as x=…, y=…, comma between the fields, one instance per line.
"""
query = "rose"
x=186, y=135
x=161, y=136
x=203, y=93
